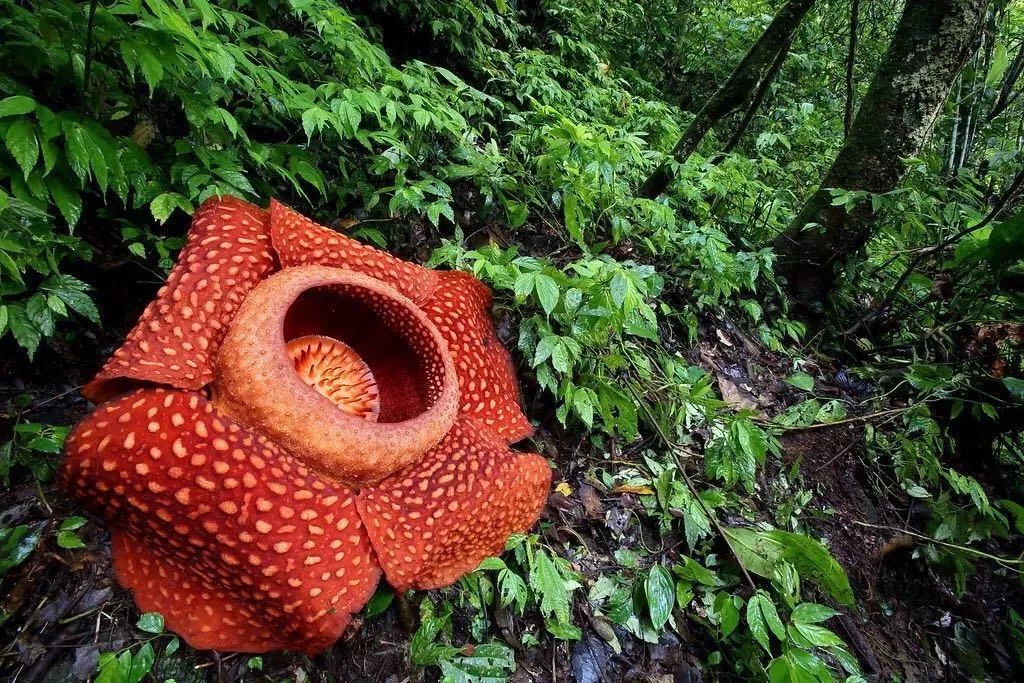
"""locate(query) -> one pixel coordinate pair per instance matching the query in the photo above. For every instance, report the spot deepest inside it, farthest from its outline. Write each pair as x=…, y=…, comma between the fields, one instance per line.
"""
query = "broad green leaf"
x=756, y=553
x=25, y=332
x=67, y=200
x=1000, y=61
x=151, y=622
x=660, y=591
x=812, y=613
x=141, y=664
x=547, y=292
x=801, y=380
x=756, y=623
x=1015, y=386
x=22, y=144
x=815, y=562
x=380, y=601
x=16, y=105
x=16, y=544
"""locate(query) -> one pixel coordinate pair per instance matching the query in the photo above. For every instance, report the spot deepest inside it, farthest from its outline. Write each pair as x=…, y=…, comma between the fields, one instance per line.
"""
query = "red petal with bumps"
x=228, y=251
x=489, y=393
x=299, y=241
x=239, y=546
x=434, y=521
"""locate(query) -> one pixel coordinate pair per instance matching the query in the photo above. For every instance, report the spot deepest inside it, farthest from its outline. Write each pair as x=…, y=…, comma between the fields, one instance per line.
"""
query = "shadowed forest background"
x=760, y=265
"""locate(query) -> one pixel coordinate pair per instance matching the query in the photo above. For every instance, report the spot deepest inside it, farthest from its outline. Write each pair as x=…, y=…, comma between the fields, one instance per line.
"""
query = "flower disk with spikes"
x=295, y=415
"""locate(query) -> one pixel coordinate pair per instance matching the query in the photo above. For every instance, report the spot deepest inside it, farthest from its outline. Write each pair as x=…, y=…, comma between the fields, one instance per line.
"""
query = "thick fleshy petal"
x=299, y=241
x=237, y=544
x=437, y=519
x=227, y=253
x=459, y=307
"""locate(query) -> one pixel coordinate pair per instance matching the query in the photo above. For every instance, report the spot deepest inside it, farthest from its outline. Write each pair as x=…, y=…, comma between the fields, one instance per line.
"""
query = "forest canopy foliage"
x=672, y=360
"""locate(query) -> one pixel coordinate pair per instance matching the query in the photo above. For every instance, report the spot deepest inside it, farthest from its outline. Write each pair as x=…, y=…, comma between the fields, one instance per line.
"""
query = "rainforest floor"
x=63, y=607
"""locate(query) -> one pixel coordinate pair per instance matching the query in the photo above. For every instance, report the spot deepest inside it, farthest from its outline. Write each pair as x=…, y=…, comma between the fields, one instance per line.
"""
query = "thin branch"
x=1008, y=563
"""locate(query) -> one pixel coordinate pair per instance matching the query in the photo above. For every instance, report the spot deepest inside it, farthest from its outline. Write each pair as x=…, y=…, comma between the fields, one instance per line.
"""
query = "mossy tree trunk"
x=745, y=80
x=932, y=42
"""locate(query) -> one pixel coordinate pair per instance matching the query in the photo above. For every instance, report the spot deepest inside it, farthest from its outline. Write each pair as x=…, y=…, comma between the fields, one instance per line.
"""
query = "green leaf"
x=73, y=523
x=693, y=571
x=812, y=613
x=164, y=205
x=489, y=663
x=25, y=332
x=1000, y=61
x=380, y=601
x=660, y=591
x=16, y=105
x=815, y=562
x=77, y=151
x=1015, y=386
x=547, y=292
x=22, y=144
x=801, y=380
x=619, y=288
x=67, y=200
x=728, y=607
x=69, y=540
x=524, y=285
x=114, y=668
x=808, y=636
x=757, y=554
x=756, y=622
x=547, y=581
x=16, y=544
x=151, y=622
x=141, y=664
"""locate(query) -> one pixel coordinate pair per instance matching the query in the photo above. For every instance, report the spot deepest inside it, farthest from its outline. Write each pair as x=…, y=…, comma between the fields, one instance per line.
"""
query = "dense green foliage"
x=512, y=137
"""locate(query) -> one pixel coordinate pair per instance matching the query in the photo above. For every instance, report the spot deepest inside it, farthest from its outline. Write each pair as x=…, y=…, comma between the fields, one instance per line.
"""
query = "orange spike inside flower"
x=240, y=546
x=337, y=372
x=436, y=520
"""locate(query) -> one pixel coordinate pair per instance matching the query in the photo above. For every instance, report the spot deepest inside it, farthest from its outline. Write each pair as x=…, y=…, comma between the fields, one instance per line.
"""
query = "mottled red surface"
x=226, y=514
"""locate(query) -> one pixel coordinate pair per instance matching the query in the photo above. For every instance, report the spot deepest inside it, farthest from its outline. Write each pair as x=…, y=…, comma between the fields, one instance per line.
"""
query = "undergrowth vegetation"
x=509, y=139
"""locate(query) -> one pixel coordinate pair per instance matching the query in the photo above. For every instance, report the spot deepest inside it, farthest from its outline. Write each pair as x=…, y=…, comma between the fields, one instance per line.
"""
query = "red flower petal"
x=176, y=339
x=437, y=519
x=299, y=241
x=237, y=544
x=460, y=309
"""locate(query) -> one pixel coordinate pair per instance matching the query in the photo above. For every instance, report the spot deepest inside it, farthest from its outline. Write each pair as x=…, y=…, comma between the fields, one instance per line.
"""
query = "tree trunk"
x=931, y=44
x=747, y=76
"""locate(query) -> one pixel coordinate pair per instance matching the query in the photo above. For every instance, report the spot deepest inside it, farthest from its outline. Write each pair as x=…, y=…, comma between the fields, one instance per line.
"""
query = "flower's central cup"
x=341, y=370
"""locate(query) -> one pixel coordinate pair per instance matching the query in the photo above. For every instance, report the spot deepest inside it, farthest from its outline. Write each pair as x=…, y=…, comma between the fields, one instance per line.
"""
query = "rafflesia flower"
x=293, y=415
